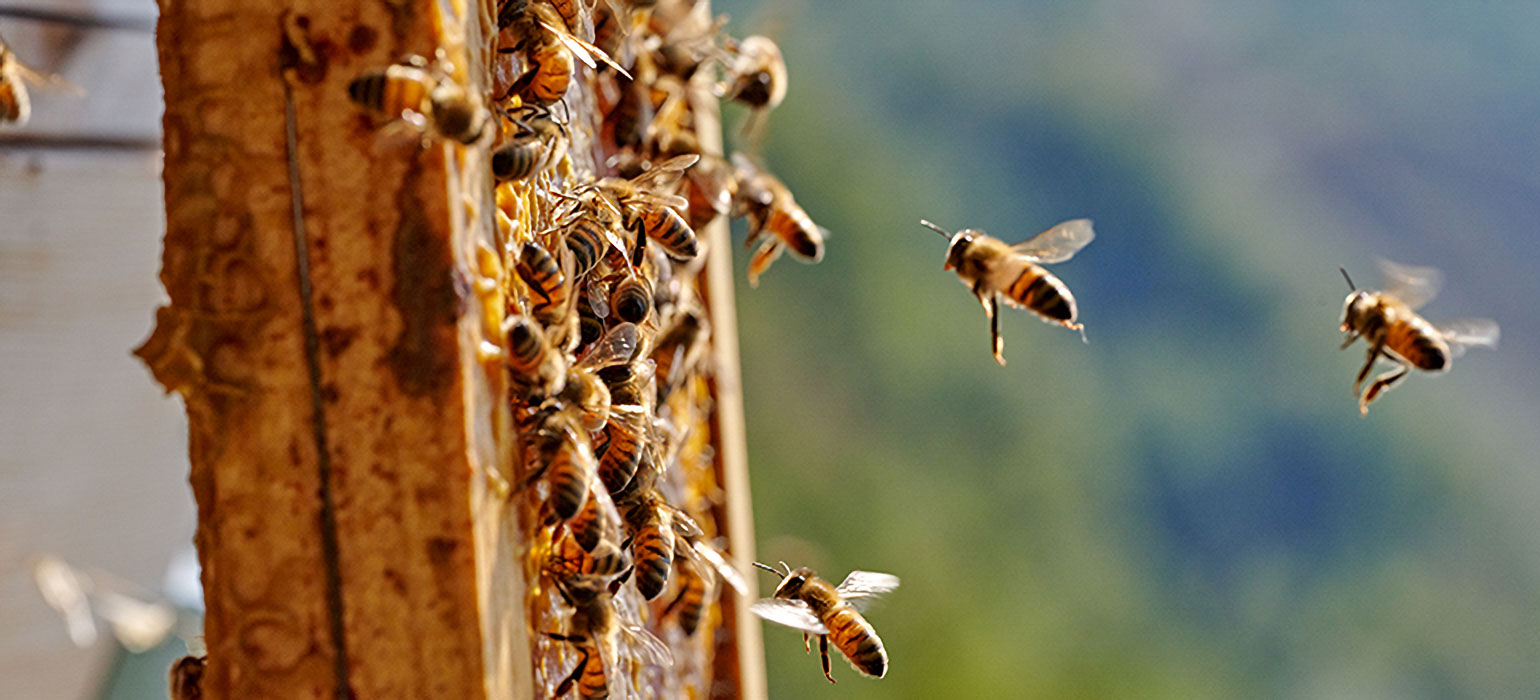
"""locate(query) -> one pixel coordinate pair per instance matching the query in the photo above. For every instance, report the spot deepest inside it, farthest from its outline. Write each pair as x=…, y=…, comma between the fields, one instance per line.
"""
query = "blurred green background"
x=1190, y=506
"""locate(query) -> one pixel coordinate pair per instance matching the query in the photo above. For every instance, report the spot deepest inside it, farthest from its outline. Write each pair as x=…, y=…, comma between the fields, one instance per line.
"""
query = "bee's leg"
x=640, y=228
x=577, y=672
x=996, y=343
x=807, y=644
x=767, y=253
x=1381, y=383
x=1374, y=354
x=823, y=650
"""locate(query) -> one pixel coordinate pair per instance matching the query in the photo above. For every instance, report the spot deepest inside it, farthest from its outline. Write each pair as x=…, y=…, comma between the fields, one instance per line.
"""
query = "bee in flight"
x=776, y=222
x=1388, y=321
x=425, y=96
x=995, y=271
x=806, y=602
x=15, y=105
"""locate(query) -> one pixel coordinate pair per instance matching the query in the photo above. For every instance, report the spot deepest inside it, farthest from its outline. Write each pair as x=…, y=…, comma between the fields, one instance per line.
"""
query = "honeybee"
x=559, y=446
x=585, y=393
x=589, y=233
x=536, y=147
x=756, y=77
x=424, y=96
x=547, y=278
x=539, y=370
x=631, y=299
x=806, y=602
x=15, y=105
x=699, y=567
x=997, y=271
x=597, y=521
x=596, y=630
x=1388, y=321
x=771, y=210
x=644, y=208
x=680, y=351
x=186, y=678
x=550, y=49
x=582, y=575
x=654, y=525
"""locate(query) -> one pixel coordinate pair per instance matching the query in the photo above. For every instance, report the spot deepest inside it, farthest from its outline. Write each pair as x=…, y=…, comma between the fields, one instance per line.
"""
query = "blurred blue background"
x=1190, y=506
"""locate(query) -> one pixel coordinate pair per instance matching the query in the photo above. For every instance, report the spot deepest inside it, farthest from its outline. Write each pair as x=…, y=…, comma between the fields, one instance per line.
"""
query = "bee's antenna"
x=1351, y=286
x=767, y=568
x=786, y=567
x=935, y=228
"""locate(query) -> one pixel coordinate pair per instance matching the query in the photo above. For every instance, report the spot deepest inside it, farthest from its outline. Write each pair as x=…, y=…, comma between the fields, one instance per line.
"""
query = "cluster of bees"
x=605, y=333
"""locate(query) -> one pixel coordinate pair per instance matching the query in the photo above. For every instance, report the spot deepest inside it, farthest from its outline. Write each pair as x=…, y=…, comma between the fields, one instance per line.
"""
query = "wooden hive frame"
x=334, y=292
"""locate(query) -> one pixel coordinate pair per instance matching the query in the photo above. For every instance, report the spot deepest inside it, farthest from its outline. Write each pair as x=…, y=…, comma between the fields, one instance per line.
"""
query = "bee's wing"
x=862, y=588
x=671, y=168
x=64, y=591
x=792, y=613
x=721, y=565
x=139, y=622
x=683, y=524
x=652, y=650
x=1413, y=286
x=660, y=199
x=597, y=299
x=585, y=51
x=1464, y=333
x=1057, y=244
x=615, y=347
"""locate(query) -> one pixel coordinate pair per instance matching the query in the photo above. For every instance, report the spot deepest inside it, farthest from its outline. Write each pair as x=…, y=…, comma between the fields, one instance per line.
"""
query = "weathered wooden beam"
x=323, y=332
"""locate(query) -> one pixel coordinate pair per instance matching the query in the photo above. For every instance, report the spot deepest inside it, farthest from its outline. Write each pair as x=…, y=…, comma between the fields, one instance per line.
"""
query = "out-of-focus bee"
x=549, y=49
x=187, y=678
x=680, y=351
x=585, y=394
x=536, y=147
x=15, y=105
x=1388, y=321
x=645, y=208
x=995, y=271
x=699, y=566
x=596, y=630
x=773, y=215
x=756, y=77
x=709, y=188
x=539, y=370
x=425, y=96
x=806, y=602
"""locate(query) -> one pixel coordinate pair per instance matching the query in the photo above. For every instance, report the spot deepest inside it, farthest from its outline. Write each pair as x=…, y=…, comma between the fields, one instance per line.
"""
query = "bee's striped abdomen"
x=1419, y=342
x=672, y=233
x=857, y=639
x=1040, y=291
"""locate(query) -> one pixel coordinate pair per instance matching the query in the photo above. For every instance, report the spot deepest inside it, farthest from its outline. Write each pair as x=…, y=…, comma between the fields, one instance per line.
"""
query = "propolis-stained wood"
x=351, y=448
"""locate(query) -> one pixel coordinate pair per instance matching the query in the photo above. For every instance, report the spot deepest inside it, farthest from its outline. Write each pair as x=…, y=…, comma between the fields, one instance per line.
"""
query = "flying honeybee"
x=773, y=216
x=1388, y=321
x=536, y=147
x=15, y=105
x=425, y=96
x=756, y=77
x=995, y=271
x=806, y=602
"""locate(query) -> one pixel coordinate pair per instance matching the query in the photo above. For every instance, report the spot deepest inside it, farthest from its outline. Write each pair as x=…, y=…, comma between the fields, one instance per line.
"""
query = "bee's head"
x=1356, y=307
x=792, y=584
x=959, y=243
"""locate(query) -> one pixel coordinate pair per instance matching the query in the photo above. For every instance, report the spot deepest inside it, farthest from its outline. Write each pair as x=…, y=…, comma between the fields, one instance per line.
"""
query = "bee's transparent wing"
x=652, y=650
x=63, y=590
x=1465, y=333
x=1057, y=244
x=585, y=51
x=1413, y=286
x=665, y=175
x=597, y=299
x=721, y=565
x=614, y=348
x=862, y=588
x=138, y=622
x=792, y=613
